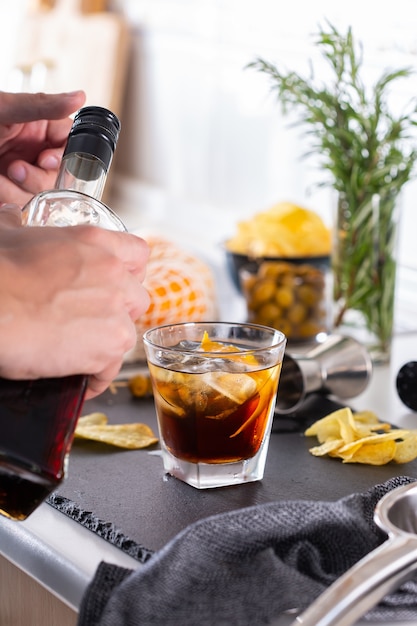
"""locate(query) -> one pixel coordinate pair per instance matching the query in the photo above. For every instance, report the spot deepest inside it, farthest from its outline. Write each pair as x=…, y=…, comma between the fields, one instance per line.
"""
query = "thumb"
x=10, y=216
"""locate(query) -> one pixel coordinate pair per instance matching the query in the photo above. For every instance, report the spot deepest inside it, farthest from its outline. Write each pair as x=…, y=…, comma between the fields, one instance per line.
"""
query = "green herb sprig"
x=369, y=154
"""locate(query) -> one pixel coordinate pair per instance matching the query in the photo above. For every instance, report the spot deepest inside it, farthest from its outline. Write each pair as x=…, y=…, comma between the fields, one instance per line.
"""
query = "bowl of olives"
x=291, y=295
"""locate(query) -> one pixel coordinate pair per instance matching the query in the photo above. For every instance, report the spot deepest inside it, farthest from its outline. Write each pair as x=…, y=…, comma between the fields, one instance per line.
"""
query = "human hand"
x=69, y=298
x=33, y=133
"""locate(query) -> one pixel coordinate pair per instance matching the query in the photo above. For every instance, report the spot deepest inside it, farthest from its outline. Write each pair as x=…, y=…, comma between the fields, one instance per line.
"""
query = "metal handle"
x=364, y=585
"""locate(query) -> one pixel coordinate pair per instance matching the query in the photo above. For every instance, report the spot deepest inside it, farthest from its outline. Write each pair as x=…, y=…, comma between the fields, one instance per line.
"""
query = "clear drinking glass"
x=215, y=386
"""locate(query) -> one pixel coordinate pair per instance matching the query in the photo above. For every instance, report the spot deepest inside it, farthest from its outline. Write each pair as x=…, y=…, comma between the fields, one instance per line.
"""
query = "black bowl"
x=235, y=262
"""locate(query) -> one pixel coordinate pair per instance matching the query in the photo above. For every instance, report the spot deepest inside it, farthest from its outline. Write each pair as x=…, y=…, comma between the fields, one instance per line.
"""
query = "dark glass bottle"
x=38, y=417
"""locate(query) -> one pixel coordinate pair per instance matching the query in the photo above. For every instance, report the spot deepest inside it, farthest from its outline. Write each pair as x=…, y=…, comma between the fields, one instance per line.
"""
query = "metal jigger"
x=340, y=366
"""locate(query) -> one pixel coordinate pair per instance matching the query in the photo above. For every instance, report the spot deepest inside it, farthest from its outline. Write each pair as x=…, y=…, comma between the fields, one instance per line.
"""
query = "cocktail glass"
x=215, y=386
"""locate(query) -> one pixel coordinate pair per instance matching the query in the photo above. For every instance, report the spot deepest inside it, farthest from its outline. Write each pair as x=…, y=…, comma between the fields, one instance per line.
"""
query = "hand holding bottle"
x=68, y=300
x=33, y=132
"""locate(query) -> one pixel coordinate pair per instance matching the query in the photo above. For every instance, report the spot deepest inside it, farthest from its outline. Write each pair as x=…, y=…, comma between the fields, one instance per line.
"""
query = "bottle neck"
x=82, y=172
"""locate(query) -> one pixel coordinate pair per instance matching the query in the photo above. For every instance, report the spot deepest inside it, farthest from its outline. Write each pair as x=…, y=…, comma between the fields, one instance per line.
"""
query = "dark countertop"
x=130, y=489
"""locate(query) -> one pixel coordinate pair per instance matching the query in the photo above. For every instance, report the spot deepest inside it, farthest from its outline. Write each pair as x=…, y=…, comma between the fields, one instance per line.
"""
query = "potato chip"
x=406, y=450
x=373, y=428
x=348, y=427
x=283, y=230
x=366, y=417
x=327, y=447
x=130, y=436
x=368, y=422
x=392, y=435
x=92, y=419
x=378, y=453
x=140, y=385
x=348, y=450
x=329, y=426
x=362, y=438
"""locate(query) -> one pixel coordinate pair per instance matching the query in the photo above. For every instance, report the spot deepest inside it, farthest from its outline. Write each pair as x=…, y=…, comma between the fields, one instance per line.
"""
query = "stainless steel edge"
x=58, y=552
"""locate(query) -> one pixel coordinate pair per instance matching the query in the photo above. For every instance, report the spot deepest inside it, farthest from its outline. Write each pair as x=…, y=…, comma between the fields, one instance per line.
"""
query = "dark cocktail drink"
x=37, y=423
x=214, y=417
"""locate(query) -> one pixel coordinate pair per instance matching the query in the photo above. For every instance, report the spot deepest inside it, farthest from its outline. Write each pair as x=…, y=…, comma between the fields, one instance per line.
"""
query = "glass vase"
x=364, y=263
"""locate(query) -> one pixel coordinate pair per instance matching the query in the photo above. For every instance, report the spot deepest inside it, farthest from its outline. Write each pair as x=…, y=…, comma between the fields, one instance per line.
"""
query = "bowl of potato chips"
x=280, y=261
x=284, y=231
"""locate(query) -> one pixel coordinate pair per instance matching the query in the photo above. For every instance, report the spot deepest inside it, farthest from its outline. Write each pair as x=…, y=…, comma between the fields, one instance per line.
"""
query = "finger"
x=57, y=131
x=138, y=300
x=10, y=216
x=51, y=159
x=30, y=178
x=26, y=107
x=12, y=193
x=100, y=382
x=132, y=250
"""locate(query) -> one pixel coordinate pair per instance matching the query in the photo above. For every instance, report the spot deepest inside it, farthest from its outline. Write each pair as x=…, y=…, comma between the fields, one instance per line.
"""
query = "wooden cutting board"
x=73, y=44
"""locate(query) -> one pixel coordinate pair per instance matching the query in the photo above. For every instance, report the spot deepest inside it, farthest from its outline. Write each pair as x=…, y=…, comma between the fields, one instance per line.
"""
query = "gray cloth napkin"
x=247, y=566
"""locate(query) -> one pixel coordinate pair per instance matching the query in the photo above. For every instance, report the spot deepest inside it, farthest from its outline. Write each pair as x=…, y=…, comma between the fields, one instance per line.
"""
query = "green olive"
x=297, y=313
x=262, y=291
x=268, y=314
x=269, y=269
x=284, y=326
x=309, y=329
x=288, y=297
x=307, y=295
x=284, y=297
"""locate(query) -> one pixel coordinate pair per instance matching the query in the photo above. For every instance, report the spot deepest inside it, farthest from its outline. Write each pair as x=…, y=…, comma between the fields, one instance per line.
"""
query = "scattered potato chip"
x=362, y=438
x=327, y=447
x=337, y=425
x=92, y=419
x=406, y=449
x=378, y=453
x=140, y=385
x=130, y=436
x=366, y=417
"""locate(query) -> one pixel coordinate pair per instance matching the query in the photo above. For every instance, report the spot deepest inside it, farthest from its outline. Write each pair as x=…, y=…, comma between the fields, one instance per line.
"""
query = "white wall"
x=202, y=136
x=207, y=132
x=11, y=14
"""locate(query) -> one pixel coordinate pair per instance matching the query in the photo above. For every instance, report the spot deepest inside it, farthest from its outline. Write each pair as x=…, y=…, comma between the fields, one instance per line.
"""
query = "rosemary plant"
x=369, y=154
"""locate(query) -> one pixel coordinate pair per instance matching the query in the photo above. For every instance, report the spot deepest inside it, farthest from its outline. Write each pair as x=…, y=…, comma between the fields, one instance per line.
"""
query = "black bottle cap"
x=407, y=385
x=95, y=131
